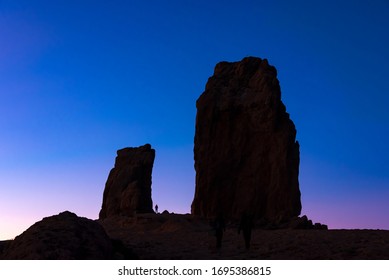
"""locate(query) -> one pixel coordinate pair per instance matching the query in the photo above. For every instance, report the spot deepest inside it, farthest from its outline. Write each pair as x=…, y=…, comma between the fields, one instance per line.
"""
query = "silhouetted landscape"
x=246, y=194
x=177, y=236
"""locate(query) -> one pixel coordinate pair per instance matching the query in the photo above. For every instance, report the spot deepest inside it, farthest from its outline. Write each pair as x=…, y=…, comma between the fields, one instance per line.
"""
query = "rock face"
x=64, y=236
x=3, y=245
x=128, y=187
x=246, y=154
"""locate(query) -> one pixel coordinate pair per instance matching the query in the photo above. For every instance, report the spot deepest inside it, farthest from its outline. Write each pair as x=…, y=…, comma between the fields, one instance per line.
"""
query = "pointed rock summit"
x=128, y=187
x=246, y=153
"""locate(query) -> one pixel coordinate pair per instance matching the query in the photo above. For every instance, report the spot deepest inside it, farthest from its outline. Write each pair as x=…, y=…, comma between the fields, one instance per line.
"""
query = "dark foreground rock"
x=128, y=187
x=64, y=236
x=3, y=245
x=246, y=154
x=174, y=236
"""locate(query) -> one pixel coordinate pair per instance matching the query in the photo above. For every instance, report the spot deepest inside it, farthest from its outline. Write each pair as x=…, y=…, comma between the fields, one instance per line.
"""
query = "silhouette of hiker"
x=156, y=208
x=246, y=225
x=219, y=227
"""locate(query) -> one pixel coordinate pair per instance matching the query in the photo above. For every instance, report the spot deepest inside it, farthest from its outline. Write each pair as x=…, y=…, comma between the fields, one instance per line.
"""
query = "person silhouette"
x=246, y=225
x=156, y=208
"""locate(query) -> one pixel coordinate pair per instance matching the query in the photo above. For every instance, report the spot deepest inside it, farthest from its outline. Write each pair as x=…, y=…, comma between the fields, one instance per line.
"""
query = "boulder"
x=300, y=223
x=320, y=226
x=128, y=187
x=64, y=236
x=304, y=223
x=245, y=151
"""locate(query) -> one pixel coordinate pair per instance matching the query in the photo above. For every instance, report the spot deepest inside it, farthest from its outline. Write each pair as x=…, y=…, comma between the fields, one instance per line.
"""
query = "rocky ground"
x=175, y=236
x=170, y=236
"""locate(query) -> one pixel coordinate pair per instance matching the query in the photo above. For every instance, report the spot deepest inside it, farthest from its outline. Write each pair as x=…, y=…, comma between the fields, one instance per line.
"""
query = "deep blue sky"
x=81, y=79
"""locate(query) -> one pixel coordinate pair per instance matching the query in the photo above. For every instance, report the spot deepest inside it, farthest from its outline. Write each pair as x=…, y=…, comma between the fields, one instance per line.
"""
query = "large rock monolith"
x=246, y=153
x=128, y=187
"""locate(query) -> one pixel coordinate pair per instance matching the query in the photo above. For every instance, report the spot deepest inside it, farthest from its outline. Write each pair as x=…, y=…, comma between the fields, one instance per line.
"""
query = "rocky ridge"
x=63, y=236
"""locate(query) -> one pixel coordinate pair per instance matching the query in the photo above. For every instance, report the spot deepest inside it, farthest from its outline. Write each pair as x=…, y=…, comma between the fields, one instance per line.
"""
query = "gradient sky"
x=82, y=79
